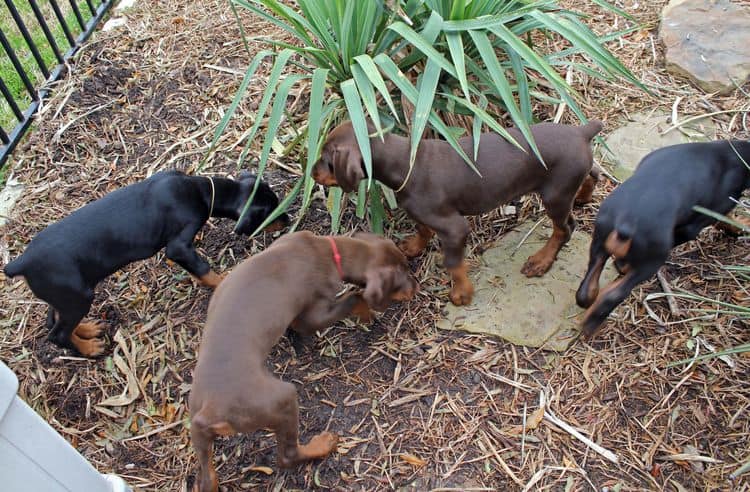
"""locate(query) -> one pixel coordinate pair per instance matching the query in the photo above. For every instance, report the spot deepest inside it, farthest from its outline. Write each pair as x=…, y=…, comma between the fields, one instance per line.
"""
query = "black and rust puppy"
x=442, y=190
x=652, y=212
x=292, y=284
x=64, y=262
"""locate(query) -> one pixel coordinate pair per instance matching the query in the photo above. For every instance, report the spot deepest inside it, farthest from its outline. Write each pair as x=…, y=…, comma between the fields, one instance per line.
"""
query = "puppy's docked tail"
x=590, y=129
x=15, y=267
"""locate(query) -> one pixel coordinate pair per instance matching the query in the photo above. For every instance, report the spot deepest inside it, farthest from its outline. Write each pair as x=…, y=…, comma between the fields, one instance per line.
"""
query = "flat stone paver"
x=631, y=143
x=536, y=312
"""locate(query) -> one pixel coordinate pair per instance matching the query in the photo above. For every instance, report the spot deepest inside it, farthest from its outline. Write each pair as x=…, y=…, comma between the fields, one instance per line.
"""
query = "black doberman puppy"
x=652, y=212
x=64, y=262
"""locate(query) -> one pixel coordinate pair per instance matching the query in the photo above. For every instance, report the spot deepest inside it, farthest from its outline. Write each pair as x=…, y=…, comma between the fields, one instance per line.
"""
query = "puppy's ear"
x=379, y=286
x=347, y=166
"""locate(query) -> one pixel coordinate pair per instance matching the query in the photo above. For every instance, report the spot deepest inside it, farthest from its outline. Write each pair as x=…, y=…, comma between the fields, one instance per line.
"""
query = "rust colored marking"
x=616, y=246
x=403, y=295
x=88, y=330
x=538, y=264
x=600, y=298
x=88, y=347
x=211, y=279
x=414, y=245
x=322, y=176
x=586, y=191
x=462, y=291
x=592, y=290
x=274, y=226
x=319, y=446
x=362, y=311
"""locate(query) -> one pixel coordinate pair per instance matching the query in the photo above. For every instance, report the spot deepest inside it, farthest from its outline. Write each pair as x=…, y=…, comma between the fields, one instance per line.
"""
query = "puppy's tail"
x=619, y=240
x=591, y=128
x=15, y=267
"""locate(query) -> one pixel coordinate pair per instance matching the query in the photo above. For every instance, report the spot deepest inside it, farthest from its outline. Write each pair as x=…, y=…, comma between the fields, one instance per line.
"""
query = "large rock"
x=536, y=312
x=647, y=132
x=707, y=41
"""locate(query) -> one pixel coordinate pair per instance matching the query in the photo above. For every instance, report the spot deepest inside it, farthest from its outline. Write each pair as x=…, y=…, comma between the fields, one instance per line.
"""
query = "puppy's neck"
x=354, y=258
x=222, y=197
x=390, y=159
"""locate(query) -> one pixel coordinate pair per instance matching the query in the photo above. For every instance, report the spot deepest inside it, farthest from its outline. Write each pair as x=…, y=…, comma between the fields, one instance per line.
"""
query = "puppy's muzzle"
x=280, y=223
x=323, y=176
x=408, y=293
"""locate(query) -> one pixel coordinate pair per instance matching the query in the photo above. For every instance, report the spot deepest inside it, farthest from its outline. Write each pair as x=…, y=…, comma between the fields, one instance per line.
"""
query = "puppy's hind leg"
x=613, y=294
x=558, y=209
x=68, y=303
x=452, y=231
x=586, y=191
x=282, y=412
x=202, y=437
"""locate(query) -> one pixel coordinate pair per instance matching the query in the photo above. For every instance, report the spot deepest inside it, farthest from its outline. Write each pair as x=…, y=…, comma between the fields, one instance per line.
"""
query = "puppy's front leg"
x=182, y=251
x=324, y=313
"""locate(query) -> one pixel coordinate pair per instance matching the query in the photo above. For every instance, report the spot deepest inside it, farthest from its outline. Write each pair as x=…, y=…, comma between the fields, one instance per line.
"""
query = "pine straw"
x=414, y=405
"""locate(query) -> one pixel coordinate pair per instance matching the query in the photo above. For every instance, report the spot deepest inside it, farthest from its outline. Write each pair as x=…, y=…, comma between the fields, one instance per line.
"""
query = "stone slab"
x=707, y=41
x=536, y=312
x=630, y=143
x=8, y=197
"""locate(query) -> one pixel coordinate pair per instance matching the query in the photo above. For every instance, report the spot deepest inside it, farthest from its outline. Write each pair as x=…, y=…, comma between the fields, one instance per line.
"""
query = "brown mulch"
x=416, y=407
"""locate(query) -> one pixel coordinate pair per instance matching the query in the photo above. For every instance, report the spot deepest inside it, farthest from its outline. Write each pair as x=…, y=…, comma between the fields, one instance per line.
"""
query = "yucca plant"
x=414, y=64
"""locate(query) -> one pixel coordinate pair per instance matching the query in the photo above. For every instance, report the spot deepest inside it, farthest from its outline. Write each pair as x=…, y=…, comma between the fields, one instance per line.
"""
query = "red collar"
x=336, y=257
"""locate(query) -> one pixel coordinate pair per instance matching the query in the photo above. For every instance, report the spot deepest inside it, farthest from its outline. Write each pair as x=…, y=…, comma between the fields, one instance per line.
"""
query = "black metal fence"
x=37, y=37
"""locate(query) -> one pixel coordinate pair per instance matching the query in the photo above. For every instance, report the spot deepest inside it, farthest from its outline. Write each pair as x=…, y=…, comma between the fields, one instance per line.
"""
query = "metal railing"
x=38, y=37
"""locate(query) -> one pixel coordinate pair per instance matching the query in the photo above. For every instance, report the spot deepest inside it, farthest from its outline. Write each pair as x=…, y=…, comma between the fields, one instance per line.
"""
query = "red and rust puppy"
x=442, y=189
x=293, y=284
x=64, y=262
x=652, y=212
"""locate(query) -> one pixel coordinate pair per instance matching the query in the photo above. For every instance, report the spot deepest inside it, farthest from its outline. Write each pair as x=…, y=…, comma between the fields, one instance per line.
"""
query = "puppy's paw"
x=362, y=312
x=536, y=267
x=89, y=329
x=93, y=347
x=412, y=246
x=321, y=445
x=212, y=279
x=462, y=294
x=589, y=326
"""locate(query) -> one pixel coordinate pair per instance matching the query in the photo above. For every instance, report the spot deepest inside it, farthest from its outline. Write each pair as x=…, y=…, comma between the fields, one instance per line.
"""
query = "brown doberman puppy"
x=442, y=189
x=292, y=284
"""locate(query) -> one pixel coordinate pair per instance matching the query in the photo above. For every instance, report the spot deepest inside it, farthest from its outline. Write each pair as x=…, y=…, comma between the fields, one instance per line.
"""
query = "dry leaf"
x=535, y=418
x=260, y=469
x=413, y=460
x=131, y=391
